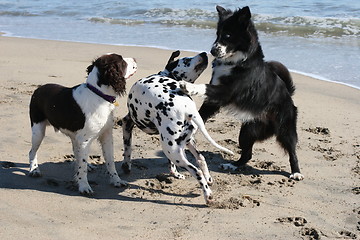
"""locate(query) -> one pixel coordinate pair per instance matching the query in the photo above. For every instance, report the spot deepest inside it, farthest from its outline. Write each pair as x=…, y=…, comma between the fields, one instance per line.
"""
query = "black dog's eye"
x=227, y=36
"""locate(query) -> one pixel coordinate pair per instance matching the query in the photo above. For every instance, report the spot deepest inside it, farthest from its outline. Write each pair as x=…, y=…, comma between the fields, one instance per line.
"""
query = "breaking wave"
x=304, y=26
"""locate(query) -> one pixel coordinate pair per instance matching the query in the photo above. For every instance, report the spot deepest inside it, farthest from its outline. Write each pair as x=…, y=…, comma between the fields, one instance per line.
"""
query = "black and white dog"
x=84, y=113
x=257, y=92
x=157, y=105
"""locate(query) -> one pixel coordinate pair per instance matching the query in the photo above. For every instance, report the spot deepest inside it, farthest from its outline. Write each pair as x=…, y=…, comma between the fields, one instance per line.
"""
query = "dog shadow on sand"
x=153, y=174
x=215, y=160
x=57, y=177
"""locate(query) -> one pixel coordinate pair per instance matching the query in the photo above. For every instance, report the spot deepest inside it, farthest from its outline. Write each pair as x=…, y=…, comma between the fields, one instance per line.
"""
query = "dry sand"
x=259, y=202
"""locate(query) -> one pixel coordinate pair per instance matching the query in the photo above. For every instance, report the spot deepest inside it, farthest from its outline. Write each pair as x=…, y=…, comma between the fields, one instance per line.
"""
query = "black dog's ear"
x=221, y=11
x=173, y=56
x=245, y=13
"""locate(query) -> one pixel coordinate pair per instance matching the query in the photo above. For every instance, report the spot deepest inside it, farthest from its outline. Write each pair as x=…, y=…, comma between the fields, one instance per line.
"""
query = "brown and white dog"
x=84, y=113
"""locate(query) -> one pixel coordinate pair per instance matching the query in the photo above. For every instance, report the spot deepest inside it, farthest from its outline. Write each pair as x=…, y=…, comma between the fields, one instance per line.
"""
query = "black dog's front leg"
x=208, y=110
x=250, y=133
x=216, y=97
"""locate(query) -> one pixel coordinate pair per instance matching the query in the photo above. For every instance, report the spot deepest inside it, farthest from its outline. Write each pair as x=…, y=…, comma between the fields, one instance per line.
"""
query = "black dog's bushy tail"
x=284, y=74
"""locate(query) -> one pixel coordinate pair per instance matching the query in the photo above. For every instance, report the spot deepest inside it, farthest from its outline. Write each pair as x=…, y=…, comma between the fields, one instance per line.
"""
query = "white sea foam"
x=310, y=36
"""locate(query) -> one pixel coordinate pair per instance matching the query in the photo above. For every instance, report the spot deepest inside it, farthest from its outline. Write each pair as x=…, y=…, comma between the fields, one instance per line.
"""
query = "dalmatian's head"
x=188, y=68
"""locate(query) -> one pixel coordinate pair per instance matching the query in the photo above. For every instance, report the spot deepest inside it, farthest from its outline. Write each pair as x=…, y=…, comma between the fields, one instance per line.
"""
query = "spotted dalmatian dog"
x=157, y=105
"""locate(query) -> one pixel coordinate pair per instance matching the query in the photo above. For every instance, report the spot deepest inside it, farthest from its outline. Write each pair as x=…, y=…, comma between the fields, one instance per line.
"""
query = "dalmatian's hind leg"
x=174, y=171
x=127, y=126
x=201, y=162
x=177, y=156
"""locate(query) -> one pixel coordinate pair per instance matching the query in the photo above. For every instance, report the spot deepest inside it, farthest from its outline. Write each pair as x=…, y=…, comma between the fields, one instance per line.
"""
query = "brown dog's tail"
x=284, y=74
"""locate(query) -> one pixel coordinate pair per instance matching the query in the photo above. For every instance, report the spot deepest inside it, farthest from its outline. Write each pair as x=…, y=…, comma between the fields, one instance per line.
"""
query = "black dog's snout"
x=214, y=51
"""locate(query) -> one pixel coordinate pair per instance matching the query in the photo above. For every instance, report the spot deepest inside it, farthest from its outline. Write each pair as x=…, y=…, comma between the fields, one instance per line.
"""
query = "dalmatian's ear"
x=173, y=56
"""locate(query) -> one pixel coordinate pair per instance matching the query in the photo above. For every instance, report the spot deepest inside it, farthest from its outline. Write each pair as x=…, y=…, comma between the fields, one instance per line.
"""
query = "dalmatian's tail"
x=196, y=118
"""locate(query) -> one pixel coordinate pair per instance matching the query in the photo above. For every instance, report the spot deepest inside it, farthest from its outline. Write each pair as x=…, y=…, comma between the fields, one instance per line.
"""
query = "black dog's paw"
x=183, y=86
x=228, y=167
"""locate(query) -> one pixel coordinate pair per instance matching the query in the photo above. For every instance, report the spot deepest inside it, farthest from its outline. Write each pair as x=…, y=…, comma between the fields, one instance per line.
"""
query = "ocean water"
x=318, y=38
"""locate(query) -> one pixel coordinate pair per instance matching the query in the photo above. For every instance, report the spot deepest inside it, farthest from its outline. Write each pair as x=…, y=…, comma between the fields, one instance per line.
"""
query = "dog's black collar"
x=110, y=99
x=168, y=74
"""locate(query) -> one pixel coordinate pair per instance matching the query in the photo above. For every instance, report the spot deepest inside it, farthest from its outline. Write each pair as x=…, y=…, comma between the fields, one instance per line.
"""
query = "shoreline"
x=257, y=202
x=318, y=77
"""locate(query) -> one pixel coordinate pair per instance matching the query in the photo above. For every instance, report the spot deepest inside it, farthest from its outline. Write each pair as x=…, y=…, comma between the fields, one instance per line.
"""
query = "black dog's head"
x=186, y=68
x=113, y=70
x=236, y=35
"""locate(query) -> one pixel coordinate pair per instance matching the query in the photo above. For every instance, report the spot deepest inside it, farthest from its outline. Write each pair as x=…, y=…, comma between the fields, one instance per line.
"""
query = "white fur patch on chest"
x=97, y=111
x=220, y=71
x=241, y=115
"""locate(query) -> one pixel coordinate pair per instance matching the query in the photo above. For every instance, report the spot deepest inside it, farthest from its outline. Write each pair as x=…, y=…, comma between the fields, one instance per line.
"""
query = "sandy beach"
x=258, y=202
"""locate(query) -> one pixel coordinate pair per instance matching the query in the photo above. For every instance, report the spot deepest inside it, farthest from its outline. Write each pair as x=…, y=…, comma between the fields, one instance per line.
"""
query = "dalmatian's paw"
x=85, y=189
x=116, y=181
x=35, y=172
x=209, y=199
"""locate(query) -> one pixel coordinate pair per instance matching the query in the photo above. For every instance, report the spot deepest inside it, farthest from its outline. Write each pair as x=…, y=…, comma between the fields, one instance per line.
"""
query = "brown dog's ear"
x=111, y=70
x=173, y=56
x=90, y=68
x=113, y=73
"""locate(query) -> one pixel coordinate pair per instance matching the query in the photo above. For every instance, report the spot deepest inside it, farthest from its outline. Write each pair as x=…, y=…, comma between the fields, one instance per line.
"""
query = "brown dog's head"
x=113, y=70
